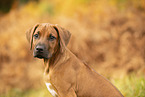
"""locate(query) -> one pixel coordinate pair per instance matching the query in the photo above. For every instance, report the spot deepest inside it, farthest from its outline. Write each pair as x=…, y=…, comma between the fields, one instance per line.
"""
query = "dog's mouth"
x=40, y=55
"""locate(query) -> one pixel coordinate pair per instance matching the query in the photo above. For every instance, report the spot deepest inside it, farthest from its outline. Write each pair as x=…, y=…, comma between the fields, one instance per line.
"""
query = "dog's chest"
x=51, y=90
x=49, y=86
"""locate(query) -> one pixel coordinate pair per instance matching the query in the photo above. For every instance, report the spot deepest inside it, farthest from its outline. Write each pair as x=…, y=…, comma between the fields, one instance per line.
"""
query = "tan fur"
x=69, y=76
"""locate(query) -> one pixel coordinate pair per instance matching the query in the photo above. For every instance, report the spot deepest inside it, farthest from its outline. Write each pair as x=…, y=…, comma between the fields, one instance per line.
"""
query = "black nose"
x=39, y=48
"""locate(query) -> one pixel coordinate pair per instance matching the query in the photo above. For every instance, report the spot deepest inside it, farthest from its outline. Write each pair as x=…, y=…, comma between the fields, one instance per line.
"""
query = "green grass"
x=130, y=86
x=28, y=93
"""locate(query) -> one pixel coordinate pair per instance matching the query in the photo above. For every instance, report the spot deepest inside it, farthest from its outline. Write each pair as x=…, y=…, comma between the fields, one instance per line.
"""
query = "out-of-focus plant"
x=131, y=86
x=125, y=4
x=5, y=5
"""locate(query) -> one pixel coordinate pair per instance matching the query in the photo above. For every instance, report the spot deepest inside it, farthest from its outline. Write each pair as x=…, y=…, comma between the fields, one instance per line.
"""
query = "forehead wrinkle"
x=46, y=30
x=50, y=30
x=53, y=31
x=42, y=31
x=40, y=28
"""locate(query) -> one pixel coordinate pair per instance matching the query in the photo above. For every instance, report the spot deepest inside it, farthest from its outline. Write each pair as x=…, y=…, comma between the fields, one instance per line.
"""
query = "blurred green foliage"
x=29, y=93
x=130, y=86
x=6, y=5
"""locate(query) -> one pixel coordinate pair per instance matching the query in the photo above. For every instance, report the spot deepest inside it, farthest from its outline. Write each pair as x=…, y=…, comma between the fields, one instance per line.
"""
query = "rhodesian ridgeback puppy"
x=65, y=75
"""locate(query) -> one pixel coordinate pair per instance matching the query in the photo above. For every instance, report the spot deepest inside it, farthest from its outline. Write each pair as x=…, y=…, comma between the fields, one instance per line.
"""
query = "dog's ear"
x=63, y=34
x=29, y=34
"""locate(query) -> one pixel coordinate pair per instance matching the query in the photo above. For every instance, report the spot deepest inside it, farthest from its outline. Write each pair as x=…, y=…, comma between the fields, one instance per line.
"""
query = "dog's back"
x=91, y=84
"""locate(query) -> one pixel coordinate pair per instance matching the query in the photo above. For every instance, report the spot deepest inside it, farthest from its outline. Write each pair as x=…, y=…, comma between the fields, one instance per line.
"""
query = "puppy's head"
x=46, y=39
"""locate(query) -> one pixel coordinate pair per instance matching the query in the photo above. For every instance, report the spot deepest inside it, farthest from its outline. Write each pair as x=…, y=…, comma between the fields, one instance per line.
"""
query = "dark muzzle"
x=40, y=51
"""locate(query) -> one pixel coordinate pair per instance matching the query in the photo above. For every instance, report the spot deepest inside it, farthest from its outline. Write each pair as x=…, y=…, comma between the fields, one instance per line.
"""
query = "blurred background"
x=108, y=35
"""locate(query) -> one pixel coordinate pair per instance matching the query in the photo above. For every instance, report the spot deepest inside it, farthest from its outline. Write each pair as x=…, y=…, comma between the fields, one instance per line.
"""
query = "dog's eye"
x=52, y=37
x=36, y=36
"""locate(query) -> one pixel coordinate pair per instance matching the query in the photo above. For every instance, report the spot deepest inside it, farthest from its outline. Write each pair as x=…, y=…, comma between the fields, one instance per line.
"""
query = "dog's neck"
x=58, y=57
